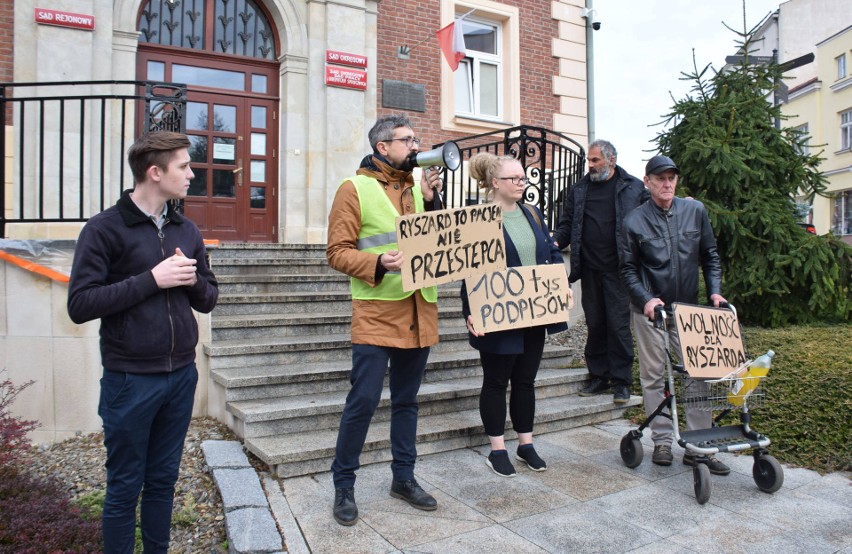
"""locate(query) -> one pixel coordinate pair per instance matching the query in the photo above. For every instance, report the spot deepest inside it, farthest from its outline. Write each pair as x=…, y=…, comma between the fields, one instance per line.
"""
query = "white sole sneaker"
x=488, y=463
x=528, y=464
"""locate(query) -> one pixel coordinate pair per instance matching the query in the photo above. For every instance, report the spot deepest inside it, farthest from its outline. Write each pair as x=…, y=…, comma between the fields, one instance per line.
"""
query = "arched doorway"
x=225, y=52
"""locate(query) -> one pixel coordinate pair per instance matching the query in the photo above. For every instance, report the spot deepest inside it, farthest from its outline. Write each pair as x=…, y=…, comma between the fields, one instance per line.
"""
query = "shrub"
x=13, y=429
x=37, y=517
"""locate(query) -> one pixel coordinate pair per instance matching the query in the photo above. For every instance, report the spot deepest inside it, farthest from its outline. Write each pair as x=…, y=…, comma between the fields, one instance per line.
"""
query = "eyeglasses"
x=515, y=180
x=409, y=141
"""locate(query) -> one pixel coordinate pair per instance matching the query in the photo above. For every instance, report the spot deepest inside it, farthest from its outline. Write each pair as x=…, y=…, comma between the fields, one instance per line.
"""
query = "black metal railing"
x=552, y=162
x=69, y=144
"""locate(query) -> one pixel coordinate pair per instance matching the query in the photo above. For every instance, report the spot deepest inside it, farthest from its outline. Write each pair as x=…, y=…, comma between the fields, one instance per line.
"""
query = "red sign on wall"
x=344, y=58
x=65, y=19
x=345, y=77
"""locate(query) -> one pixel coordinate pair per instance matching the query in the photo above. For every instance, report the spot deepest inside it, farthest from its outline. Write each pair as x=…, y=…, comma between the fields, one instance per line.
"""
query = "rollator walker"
x=723, y=388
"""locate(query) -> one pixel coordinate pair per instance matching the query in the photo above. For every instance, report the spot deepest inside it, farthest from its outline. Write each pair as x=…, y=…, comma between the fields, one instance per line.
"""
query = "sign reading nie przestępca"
x=449, y=245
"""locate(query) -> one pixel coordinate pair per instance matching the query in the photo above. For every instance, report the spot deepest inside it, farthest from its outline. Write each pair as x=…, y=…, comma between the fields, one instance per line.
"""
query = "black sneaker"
x=528, y=455
x=621, y=394
x=715, y=466
x=345, y=509
x=662, y=455
x=597, y=386
x=413, y=493
x=499, y=463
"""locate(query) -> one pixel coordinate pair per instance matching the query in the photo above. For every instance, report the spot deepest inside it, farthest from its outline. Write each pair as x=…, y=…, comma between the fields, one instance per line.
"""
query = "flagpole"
x=404, y=51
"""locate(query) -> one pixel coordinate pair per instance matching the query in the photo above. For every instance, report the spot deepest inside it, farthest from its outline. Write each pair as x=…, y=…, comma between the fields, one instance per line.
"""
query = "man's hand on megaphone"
x=430, y=181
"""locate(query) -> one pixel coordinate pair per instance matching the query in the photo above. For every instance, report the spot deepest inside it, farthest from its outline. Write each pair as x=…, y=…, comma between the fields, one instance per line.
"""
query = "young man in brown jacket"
x=390, y=328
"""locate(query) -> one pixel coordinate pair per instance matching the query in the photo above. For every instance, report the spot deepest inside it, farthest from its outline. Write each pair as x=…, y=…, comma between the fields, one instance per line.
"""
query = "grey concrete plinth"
x=252, y=530
x=221, y=454
x=240, y=488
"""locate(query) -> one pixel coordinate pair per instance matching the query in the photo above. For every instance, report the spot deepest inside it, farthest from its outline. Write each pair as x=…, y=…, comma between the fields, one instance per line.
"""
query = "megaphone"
x=447, y=156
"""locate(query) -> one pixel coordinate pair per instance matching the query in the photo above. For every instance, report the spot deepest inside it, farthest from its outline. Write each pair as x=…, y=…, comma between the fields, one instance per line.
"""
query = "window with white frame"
x=479, y=78
x=803, y=148
x=846, y=130
x=841, y=223
x=841, y=66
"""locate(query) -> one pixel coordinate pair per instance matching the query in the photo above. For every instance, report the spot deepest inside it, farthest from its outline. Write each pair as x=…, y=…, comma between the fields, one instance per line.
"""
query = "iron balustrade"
x=69, y=144
x=553, y=162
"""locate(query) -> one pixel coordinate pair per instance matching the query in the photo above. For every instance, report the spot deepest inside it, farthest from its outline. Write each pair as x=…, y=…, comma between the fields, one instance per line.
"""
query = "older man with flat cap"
x=666, y=241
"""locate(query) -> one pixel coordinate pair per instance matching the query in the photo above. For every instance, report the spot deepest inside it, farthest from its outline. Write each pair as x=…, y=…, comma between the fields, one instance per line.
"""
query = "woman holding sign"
x=512, y=355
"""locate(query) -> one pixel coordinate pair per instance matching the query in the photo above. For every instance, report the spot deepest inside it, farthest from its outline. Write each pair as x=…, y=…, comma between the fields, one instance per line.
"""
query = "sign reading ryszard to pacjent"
x=711, y=342
x=449, y=245
x=523, y=296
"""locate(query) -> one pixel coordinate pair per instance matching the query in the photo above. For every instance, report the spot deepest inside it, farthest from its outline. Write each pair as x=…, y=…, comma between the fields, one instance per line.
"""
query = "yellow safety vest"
x=378, y=235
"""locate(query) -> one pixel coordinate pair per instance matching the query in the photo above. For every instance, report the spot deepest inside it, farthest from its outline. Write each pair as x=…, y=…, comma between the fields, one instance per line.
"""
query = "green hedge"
x=809, y=394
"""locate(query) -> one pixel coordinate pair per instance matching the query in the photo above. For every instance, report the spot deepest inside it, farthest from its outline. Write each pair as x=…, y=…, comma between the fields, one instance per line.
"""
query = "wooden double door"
x=232, y=123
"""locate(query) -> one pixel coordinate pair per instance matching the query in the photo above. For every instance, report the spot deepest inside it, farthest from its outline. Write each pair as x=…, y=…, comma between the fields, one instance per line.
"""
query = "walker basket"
x=730, y=393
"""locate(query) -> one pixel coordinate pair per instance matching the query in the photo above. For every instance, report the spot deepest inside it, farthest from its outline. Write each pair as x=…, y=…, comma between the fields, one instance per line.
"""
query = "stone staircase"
x=280, y=359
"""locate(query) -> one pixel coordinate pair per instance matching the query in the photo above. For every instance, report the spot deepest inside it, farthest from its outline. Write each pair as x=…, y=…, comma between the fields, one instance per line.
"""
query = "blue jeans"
x=369, y=364
x=145, y=417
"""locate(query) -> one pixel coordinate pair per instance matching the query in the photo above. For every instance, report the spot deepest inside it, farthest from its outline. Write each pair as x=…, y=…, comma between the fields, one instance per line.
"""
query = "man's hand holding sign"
x=449, y=245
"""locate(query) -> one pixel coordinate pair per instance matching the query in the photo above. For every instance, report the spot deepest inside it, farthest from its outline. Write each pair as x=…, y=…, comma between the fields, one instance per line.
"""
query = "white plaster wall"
x=39, y=342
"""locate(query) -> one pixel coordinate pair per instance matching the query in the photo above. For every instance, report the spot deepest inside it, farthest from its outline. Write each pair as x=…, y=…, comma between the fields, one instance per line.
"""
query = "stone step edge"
x=238, y=347
x=277, y=408
x=267, y=320
x=300, y=447
x=336, y=370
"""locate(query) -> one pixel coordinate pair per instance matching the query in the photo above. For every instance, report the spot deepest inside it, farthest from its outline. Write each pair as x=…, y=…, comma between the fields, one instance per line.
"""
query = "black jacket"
x=663, y=250
x=511, y=341
x=630, y=192
x=144, y=329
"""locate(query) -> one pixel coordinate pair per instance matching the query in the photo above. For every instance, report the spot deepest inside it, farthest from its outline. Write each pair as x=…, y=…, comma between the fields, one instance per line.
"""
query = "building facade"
x=279, y=97
x=819, y=96
x=822, y=108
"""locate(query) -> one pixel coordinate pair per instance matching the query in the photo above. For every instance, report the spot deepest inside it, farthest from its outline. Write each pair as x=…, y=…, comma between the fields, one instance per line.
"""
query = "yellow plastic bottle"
x=745, y=385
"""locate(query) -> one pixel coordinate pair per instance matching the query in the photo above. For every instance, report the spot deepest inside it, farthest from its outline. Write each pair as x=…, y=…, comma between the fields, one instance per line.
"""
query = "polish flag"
x=451, y=39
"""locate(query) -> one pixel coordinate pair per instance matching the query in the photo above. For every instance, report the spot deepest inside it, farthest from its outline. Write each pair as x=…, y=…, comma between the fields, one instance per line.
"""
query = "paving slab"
x=580, y=528
x=587, y=501
x=481, y=541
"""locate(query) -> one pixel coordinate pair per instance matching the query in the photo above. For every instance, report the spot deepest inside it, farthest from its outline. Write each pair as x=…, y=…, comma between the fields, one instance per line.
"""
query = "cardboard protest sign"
x=711, y=342
x=523, y=296
x=450, y=245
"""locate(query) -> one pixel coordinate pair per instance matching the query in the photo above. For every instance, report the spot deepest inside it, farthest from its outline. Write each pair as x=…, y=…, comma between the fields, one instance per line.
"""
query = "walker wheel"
x=768, y=473
x=701, y=482
x=631, y=451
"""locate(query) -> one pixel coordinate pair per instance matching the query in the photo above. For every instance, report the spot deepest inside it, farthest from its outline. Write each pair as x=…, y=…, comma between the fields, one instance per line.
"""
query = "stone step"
x=267, y=250
x=257, y=326
x=309, y=413
x=302, y=282
x=271, y=266
x=302, y=302
x=257, y=382
x=291, y=350
x=300, y=454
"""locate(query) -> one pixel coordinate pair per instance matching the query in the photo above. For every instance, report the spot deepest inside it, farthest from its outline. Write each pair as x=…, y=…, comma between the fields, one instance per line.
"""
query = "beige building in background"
x=822, y=107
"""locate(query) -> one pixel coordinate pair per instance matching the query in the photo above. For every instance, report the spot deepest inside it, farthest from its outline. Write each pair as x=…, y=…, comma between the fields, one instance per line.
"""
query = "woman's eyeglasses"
x=515, y=180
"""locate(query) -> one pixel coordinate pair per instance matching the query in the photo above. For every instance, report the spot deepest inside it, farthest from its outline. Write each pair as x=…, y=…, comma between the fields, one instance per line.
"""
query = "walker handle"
x=660, y=316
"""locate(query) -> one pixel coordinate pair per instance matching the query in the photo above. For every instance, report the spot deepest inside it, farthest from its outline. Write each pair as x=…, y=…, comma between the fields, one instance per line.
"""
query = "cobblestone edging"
x=249, y=523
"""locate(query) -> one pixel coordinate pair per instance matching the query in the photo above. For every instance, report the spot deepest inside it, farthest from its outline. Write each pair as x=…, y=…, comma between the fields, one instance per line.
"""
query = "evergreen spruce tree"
x=747, y=172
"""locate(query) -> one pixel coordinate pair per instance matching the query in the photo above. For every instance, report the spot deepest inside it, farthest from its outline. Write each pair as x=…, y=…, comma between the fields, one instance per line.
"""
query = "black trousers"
x=609, y=347
x=519, y=369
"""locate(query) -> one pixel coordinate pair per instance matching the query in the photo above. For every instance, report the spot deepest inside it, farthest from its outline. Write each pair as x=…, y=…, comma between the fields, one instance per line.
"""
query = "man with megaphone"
x=391, y=329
